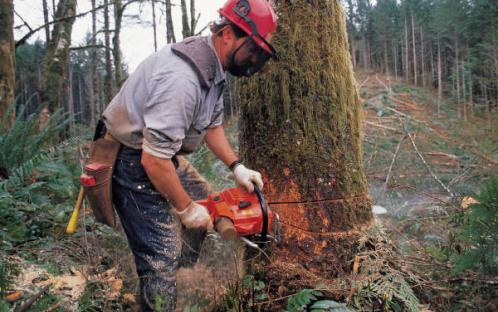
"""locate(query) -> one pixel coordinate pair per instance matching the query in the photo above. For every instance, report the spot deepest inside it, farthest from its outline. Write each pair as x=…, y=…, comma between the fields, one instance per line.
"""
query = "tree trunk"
x=108, y=87
x=422, y=57
x=365, y=52
x=7, y=63
x=170, y=32
x=193, y=19
x=116, y=43
x=185, y=23
x=439, y=78
x=414, y=51
x=92, y=87
x=395, y=53
x=407, y=65
x=300, y=126
x=58, y=56
x=45, y=19
x=431, y=59
x=386, y=63
x=154, y=24
x=69, y=97
x=457, y=70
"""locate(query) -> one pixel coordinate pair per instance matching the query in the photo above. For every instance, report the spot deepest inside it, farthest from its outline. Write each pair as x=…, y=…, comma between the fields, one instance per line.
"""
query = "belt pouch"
x=97, y=178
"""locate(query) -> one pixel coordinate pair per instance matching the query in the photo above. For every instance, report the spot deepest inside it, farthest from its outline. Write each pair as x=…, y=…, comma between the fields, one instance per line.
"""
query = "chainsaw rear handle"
x=225, y=227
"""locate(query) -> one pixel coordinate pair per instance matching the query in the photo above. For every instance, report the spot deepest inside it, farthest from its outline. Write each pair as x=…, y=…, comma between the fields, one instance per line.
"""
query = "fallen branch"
x=382, y=126
x=33, y=299
x=393, y=160
x=427, y=165
x=401, y=102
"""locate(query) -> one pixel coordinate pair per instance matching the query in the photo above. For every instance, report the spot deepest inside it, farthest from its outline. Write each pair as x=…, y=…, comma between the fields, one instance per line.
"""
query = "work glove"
x=195, y=216
x=246, y=177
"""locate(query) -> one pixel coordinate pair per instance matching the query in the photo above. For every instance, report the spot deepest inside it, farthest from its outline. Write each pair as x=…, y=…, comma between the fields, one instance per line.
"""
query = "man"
x=167, y=107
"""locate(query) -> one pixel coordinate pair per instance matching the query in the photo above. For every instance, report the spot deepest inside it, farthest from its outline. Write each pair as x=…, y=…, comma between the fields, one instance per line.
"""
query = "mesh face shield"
x=257, y=58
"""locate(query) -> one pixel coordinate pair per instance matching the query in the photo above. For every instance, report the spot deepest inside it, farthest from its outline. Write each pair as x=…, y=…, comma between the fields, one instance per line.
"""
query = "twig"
x=427, y=165
x=363, y=82
x=22, y=19
x=32, y=300
x=393, y=160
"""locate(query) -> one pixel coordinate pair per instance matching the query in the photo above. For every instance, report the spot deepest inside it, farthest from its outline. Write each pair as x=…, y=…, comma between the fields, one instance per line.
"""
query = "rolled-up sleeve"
x=168, y=114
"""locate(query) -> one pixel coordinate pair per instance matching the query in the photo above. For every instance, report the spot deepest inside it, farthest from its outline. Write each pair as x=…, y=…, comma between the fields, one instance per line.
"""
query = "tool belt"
x=97, y=178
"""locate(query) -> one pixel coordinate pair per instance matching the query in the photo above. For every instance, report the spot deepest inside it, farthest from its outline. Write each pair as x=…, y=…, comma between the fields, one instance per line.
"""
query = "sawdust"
x=68, y=286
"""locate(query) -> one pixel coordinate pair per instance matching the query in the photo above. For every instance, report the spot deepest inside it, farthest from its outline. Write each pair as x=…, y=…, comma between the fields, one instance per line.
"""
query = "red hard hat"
x=255, y=17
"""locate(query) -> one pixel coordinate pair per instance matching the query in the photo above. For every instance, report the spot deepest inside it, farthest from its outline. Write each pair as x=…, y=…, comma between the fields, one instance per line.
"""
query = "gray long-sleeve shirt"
x=162, y=108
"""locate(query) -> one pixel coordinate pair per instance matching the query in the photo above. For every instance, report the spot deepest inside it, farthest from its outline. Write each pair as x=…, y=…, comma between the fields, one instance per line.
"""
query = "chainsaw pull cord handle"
x=264, y=210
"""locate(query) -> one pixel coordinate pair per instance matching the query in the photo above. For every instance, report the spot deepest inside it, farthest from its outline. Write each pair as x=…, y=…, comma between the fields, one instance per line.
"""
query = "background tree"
x=170, y=31
x=58, y=56
x=300, y=125
x=7, y=57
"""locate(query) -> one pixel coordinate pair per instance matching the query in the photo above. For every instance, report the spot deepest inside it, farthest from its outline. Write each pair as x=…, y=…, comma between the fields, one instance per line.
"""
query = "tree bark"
x=45, y=19
x=7, y=63
x=170, y=31
x=154, y=28
x=300, y=126
x=185, y=23
x=108, y=86
x=58, y=56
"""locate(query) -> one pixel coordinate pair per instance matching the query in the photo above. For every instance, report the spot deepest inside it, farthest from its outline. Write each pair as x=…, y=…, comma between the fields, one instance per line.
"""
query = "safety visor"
x=257, y=56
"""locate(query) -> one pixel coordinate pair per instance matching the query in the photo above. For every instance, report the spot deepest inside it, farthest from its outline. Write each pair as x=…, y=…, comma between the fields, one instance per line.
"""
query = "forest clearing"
x=377, y=144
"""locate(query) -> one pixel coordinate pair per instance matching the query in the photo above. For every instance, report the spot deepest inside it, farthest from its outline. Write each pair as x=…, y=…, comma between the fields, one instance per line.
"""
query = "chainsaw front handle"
x=264, y=210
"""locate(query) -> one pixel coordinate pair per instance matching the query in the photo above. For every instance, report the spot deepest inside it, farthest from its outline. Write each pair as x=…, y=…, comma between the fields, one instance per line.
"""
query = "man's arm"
x=162, y=174
x=217, y=142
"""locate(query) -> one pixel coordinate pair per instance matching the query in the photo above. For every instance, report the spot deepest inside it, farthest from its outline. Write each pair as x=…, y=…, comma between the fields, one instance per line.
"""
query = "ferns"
x=395, y=291
x=307, y=299
x=23, y=146
x=479, y=233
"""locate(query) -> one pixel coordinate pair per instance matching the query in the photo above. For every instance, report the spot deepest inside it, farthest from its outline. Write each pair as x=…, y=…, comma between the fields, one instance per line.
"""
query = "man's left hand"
x=246, y=177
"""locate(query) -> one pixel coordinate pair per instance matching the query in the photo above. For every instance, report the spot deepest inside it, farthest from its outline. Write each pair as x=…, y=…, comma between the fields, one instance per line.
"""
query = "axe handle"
x=73, y=222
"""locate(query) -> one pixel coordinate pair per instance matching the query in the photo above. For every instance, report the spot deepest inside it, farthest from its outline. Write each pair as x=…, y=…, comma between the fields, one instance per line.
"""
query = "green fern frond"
x=302, y=299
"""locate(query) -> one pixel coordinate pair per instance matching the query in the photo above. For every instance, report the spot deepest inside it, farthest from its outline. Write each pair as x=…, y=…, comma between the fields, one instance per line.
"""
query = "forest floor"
x=420, y=165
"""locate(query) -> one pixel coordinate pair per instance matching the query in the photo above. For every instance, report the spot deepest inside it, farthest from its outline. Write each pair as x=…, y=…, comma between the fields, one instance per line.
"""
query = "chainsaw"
x=238, y=213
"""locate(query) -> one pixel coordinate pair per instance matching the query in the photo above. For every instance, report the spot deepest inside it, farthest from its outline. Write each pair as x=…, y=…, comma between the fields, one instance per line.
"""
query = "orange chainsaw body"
x=242, y=208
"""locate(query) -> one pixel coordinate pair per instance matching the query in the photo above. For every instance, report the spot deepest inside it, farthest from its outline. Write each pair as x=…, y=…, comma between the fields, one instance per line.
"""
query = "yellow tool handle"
x=73, y=222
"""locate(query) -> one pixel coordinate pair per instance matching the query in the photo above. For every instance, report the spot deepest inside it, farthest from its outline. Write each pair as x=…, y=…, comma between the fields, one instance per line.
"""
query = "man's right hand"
x=195, y=216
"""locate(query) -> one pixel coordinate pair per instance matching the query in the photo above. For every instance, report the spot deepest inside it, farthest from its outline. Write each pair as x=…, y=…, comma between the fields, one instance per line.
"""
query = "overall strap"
x=197, y=52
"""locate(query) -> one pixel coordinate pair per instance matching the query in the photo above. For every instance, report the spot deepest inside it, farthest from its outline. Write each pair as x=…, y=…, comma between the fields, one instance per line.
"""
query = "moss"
x=302, y=115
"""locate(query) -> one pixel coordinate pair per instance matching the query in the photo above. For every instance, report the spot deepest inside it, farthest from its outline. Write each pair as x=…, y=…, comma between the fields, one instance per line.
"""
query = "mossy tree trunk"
x=300, y=126
x=57, y=57
x=7, y=60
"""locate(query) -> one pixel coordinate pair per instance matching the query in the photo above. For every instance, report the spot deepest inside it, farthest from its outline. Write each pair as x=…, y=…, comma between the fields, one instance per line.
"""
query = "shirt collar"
x=220, y=73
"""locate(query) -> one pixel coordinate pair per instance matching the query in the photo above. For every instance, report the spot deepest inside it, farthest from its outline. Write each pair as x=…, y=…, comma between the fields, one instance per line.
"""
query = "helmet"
x=255, y=17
